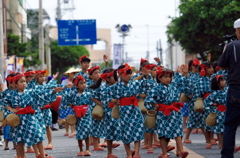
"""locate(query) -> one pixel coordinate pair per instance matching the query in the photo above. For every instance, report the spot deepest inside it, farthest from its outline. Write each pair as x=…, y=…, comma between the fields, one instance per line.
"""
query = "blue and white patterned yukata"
x=112, y=127
x=218, y=97
x=84, y=124
x=131, y=119
x=97, y=125
x=202, y=87
x=29, y=130
x=189, y=90
x=167, y=126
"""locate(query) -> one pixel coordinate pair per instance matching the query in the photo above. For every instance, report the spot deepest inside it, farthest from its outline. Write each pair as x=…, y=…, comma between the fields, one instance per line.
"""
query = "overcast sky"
x=108, y=13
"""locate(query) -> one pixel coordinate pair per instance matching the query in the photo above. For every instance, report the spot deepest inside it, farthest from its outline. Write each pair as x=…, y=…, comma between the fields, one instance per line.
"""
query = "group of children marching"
x=160, y=88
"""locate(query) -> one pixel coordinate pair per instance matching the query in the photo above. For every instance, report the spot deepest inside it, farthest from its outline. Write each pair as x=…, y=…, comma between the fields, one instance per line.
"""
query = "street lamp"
x=123, y=29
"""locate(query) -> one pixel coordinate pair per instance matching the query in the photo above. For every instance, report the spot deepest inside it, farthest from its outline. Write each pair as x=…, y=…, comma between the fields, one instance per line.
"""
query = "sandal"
x=183, y=154
x=187, y=141
x=80, y=153
x=163, y=156
x=49, y=147
x=30, y=150
x=72, y=135
x=98, y=149
x=87, y=153
x=157, y=145
x=237, y=149
x=133, y=152
x=111, y=156
x=208, y=146
x=145, y=147
x=103, y=145
x=66, y=134
x=170, y=148
x=151, y=150
x=213, y=142
x=136, y=156
x=6, y=148
x=114, y=145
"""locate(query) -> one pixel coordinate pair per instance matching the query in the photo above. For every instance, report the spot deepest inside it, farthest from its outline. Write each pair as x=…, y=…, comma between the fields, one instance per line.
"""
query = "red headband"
x=143, y=60
x=218, y=76
x=9, y=79
x=124, y=70
x=17, y=77
x=77, y=79
x=161, y=72
x=92, y=69
x=196, y=62
x=217, y=68
x=29, y=73
x=106, y=75
x=203, y=70
x=81, y=58
x=11, y=72
x=150, y=66
x=40, y=72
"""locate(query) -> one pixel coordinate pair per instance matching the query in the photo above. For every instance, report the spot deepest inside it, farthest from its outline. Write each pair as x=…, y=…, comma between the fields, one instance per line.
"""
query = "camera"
x=226, y=39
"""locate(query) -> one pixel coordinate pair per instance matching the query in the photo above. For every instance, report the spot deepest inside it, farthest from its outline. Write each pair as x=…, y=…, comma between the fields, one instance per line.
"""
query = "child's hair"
x=10, y=76
x=207, y=64
x=215, y=66
x=191, y=63
x=143, y=64
x=99, y=81
x=165, y=71
x=18, y=75
x=90, y=72
x=76, y=80
x=123, y=66
x=84, y=58
x=215, y=82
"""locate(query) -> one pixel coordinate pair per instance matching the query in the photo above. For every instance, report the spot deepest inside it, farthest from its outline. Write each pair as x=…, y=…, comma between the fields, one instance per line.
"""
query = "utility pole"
x=1, y=40
x=40, y=37
x=59, y=14
x=48, y=51
x=160, y=49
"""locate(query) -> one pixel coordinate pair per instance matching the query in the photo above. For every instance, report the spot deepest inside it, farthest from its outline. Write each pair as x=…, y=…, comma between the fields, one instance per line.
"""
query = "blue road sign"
x=77, y=32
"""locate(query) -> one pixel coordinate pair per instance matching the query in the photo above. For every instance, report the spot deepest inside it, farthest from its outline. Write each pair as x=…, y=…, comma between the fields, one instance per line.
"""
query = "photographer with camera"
x=231, y=59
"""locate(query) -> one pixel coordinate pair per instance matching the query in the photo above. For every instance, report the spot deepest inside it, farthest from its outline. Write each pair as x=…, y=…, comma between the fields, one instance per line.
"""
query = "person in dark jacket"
x=230, y=59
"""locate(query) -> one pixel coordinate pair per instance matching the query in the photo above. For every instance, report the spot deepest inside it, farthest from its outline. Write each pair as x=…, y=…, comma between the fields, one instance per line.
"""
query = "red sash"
x=46, y=107
x=128, y=101
x=167, y=109
x=111, y=105
x=81, y=110
x=26, y=110
x=221, y=108
x=205, y=95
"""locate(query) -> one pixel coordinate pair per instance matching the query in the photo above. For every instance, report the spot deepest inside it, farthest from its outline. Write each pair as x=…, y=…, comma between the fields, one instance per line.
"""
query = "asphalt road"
x=65, y=147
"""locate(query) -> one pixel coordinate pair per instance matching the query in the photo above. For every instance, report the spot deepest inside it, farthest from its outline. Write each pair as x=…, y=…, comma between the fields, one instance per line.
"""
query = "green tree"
x=64, y=57
x=22, y=50
x=202, y=23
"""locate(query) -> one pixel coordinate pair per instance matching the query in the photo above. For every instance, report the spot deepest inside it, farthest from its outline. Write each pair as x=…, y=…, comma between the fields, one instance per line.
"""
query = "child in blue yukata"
x=125, y=92
x=80, y=100
x=112, y=129
x=20, y=101
x=164, y=98
x=216, y=103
